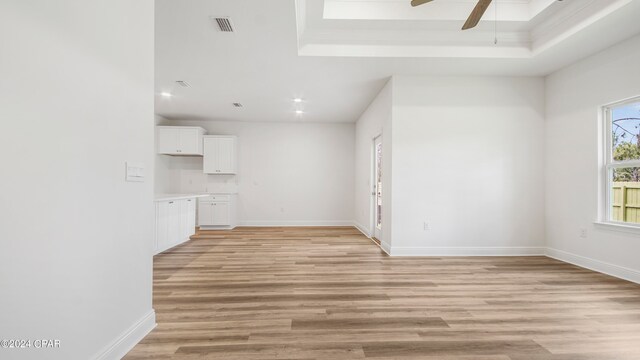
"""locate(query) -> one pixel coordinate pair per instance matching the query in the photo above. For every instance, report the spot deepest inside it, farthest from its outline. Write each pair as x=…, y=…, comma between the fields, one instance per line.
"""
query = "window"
x=622, y=162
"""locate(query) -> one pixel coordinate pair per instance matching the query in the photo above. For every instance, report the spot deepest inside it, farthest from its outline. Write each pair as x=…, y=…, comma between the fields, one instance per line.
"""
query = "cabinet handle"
x=170, y=202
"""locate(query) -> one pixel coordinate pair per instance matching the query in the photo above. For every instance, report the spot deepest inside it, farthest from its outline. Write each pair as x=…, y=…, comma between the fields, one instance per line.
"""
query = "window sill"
x=631, y=229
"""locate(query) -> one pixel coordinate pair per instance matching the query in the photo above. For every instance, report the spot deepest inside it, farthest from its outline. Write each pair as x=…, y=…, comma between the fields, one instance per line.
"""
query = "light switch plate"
x=134, y=172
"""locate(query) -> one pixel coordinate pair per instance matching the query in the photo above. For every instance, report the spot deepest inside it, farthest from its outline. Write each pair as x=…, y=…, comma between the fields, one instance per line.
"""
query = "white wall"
x=468, y=159
x=76, y=102
x=289, y=173
x=574, y=96
x=375, y=121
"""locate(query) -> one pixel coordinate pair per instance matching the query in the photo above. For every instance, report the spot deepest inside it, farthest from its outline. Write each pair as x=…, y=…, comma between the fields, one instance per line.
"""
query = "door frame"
x=373, y=187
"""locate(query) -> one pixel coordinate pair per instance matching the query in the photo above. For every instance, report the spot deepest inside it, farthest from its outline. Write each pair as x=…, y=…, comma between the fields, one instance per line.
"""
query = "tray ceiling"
x=337, y=54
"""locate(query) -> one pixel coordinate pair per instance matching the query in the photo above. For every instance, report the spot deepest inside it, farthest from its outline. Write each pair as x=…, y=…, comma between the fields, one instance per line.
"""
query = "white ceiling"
x=337, y=54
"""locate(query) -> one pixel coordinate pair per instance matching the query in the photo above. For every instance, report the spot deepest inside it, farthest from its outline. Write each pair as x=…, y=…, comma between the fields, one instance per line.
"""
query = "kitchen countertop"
x=169, y=197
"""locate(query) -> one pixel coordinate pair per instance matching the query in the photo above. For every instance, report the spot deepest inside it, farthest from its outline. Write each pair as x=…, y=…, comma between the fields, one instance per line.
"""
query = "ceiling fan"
x=473, y=19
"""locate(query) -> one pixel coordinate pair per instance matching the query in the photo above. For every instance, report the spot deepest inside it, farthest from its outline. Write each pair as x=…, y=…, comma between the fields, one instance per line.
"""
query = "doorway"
x=377, y=188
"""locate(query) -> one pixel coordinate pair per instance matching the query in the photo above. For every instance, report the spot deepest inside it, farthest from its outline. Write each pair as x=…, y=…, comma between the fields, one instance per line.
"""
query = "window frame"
x=608, y=164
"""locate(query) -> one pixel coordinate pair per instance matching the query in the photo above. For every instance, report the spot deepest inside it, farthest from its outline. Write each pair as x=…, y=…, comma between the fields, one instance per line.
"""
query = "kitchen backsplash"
x=187, y=177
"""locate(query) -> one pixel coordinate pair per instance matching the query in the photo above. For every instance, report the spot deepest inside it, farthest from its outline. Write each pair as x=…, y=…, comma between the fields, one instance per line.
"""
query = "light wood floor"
x=330, y=293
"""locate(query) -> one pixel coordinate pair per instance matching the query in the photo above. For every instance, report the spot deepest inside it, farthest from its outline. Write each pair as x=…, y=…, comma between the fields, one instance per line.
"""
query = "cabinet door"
x=205, y=214
x=210, y=159
x=184, y=221
x=191, y=217
x=174, y=222
x=220, y=213
x=167, y=141
x=189, y=141
x=162, y=235
x=226, y=155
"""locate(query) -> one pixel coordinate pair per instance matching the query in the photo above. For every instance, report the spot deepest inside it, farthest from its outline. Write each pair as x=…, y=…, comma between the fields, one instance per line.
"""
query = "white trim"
x=624, y=164
x=216, y=227
x=606, y=161
x=617, y=226
x=595, y=265
x=382, y=245
x=128, y=339
x=362, y=229
x=467, y=251
x=373, y=185
x=604, y=210
x=295, y=223
x=385, y=247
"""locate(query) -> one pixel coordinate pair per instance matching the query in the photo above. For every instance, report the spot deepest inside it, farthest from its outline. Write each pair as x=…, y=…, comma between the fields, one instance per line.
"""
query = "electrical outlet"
x=583, y=233
x=425, y=226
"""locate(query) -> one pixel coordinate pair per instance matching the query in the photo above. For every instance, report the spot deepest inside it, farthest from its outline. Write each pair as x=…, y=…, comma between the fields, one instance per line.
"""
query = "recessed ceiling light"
x=166, y=94
x=297, y=100
x=299, y=112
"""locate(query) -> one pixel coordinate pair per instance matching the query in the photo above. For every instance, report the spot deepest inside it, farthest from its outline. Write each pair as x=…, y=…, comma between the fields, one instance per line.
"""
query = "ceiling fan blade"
x=419, y=2
x=476, y=14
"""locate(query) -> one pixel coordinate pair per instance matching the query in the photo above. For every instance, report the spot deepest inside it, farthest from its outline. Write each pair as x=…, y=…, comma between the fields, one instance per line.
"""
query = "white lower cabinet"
x=162, y=225
x=221, y=216
x=191, y=216
x=205, y=213
x=217, y=211
x=175, y=222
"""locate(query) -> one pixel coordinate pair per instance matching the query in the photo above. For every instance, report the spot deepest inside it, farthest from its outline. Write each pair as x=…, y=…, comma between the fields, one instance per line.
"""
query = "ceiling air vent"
x=224, y=24
x=238, y=105
x=183, y=83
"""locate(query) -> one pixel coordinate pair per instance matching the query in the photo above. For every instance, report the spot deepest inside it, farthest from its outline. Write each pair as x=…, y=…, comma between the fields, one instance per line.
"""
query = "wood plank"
x=331, y=293
x=369, y=323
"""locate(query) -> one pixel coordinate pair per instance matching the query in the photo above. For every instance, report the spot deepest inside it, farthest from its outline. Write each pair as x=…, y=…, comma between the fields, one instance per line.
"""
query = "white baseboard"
x=294, y=223
x=214, y=227
x=466, y=251
x=595, y=265
x=362, y=229
x=385, y=247
x=128, y=339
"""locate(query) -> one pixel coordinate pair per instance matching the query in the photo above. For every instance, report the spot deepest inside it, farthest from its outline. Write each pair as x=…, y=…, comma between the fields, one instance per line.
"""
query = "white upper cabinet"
x=179, y=140
x=220, y=154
